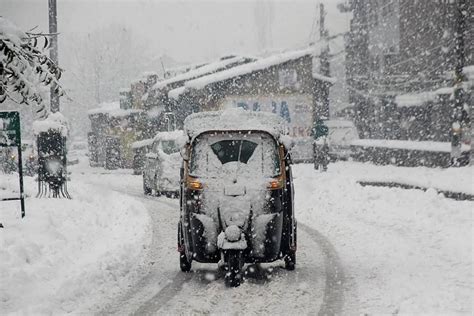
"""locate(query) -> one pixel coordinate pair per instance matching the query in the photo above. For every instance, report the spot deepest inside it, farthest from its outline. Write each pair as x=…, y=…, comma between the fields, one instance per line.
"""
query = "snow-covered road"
x=317, y=285
x=360, y=250
x=268, y=289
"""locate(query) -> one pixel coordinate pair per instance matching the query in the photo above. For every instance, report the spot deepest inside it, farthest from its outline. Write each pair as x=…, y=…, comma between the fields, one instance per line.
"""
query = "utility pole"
x=459, y=115
x=324, y=68
x=53, y=52
x=323, y=34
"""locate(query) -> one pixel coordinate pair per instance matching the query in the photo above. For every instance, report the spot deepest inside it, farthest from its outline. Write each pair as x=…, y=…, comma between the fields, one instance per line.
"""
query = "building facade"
x=401, y=56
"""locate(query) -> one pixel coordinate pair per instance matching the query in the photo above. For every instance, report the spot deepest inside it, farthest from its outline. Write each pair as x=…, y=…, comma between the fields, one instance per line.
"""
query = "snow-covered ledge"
x=55, y=121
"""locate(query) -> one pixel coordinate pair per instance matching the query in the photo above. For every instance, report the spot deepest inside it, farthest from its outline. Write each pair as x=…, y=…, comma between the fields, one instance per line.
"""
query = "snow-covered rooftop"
x=420, y=98
x=324, y=78
x=197, y=72
x=414, y=99
x=244, y=69
x=175, y=93
x=233, y=119
x=247, y=68
x=172, y=135
x=142, y=143
x=112, y=109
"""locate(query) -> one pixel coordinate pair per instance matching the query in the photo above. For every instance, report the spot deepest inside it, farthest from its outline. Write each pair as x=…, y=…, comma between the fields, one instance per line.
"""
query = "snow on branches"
x=24, y=68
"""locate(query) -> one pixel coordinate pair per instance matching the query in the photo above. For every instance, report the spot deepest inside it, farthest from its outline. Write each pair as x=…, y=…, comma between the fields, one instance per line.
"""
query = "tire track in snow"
x=333, y=299
x=161, y=248
x=311, y=289
x=332, y=294
x=153, y=305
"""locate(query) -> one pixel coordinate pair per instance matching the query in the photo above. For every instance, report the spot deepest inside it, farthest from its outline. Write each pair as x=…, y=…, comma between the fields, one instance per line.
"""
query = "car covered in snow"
x=236, y=193
x=162, y=163
x=341, y=134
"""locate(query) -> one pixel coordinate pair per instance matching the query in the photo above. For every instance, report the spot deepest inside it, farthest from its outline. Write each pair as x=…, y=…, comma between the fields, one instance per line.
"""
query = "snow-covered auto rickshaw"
x=236, y=193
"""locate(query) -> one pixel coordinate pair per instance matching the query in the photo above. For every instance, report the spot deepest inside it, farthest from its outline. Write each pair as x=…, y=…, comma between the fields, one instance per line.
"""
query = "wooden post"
x=53, y=52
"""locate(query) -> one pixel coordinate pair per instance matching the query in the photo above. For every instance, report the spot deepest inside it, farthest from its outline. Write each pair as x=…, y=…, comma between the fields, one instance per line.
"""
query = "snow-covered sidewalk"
x=66, y=254
x=404, y=251
x=448, y=179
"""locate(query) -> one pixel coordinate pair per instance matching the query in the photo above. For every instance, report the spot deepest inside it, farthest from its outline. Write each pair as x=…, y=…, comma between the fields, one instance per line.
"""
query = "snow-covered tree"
x=24, y=67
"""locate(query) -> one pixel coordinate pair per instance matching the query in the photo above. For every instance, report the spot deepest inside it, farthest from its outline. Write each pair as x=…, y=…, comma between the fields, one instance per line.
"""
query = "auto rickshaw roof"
x=235, y=119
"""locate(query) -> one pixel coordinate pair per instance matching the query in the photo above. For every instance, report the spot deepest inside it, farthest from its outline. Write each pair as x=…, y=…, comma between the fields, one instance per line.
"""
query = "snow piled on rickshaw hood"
x=234, y=119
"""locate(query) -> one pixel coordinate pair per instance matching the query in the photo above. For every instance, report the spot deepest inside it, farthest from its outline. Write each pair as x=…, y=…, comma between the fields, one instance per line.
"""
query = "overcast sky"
x=188, y=31
x=191, y=31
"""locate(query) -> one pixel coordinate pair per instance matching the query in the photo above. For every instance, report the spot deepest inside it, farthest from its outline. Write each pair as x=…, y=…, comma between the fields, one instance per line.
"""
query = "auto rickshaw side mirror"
x=184, y=152
x=288, y=156
x=287, y=141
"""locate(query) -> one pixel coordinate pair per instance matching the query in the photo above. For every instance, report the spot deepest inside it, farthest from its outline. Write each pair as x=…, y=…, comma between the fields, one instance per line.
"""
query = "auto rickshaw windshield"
x=216, y=154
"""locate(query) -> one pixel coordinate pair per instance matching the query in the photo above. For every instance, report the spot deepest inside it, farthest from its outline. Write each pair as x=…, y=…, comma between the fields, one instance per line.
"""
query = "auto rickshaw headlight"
x=194, y=184
x=275, y=184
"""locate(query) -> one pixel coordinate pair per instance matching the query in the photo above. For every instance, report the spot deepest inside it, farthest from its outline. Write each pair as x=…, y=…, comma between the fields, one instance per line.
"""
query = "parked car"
x=302, y=150
x=162, y=163
x=341, y=135
x=77, y=150
x=140, y=149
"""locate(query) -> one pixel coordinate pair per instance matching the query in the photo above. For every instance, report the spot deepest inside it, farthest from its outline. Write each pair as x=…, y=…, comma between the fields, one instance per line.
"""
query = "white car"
x=341, y=135
x=162, y=164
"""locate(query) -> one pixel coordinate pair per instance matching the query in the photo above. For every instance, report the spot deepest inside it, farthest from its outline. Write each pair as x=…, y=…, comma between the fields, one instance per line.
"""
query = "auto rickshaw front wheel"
x=233, y=267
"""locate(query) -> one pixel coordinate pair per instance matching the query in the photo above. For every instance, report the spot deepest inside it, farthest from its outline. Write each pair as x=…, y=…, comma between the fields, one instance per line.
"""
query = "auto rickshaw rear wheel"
x=157, y=192
x=146, y=189
x=184, y=263
x=290, y=261
x=233, y=276
x=290, y=258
